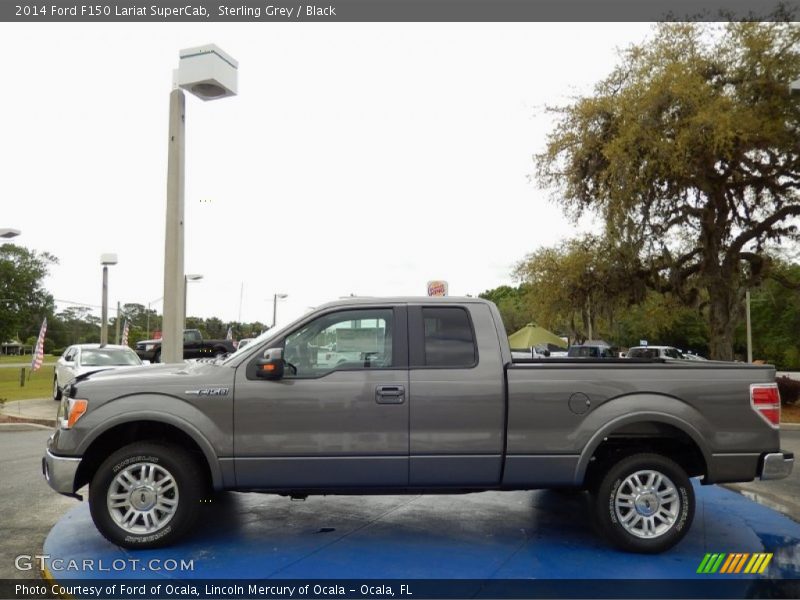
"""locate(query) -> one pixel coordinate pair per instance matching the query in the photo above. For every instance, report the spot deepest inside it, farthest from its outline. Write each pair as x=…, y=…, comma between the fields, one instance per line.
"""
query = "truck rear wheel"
x=644, y=503
x=146, y=495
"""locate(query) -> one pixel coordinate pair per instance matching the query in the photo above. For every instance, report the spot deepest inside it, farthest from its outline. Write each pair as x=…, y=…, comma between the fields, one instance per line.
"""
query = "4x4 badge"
x=208, y=392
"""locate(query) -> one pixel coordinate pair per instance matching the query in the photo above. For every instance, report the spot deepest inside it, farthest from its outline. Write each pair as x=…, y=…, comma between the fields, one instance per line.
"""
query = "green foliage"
x=580, y=286
x=688, y=150
x=23, y=300
x=775, y=317
x=513, y=305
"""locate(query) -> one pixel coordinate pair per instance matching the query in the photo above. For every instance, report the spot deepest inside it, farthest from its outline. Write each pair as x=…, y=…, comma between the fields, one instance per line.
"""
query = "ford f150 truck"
x=430, y=401
x=194, y=346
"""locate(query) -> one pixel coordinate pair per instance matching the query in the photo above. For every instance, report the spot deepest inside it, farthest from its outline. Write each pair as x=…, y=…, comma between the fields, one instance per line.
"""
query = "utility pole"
x=749, y=329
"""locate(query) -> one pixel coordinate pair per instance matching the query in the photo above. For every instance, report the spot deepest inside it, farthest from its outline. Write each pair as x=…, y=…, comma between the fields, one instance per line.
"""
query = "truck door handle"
x=390, y=394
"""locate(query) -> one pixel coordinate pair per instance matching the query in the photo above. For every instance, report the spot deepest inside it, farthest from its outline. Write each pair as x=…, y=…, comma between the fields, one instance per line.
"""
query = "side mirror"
x=271, y=366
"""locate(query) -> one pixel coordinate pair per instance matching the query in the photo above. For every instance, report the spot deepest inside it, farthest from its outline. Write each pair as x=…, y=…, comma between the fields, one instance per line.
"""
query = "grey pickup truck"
x=410, y=395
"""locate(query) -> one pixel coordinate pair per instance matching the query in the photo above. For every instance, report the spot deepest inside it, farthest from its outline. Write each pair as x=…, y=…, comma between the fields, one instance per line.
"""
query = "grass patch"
x=25, y=359
x=37, y=385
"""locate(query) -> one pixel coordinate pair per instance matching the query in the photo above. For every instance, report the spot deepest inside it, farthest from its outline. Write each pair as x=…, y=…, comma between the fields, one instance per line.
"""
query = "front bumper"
x=59, y=471
x=776, y=465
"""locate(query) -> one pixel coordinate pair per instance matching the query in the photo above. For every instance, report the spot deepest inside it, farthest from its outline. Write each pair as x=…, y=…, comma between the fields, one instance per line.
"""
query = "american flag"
x=38, y=353
x=124, y=341
x=230, y=334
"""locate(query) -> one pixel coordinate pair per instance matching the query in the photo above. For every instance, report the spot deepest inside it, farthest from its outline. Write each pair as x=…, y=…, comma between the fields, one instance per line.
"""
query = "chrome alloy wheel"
x=142, y=498
x=647, y=504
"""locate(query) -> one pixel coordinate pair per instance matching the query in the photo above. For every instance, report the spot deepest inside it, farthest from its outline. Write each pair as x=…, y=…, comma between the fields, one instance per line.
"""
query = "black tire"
x=157, y=356
x=671, y=513
x=184, y=497
x=56, y=390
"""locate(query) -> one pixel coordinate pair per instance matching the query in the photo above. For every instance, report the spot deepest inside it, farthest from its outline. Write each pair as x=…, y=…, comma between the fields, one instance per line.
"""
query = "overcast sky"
x=357, y=158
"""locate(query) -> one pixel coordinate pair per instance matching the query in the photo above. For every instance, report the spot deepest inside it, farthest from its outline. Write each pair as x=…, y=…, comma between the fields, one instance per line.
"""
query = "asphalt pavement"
x=30, y=507
x=782, y=495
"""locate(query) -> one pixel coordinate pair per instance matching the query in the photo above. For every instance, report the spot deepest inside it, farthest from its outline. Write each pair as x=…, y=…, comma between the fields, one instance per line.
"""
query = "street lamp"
x=275, y=298
x=186, y=280
x=7, y=232
x=207, y=73
x=105, y=260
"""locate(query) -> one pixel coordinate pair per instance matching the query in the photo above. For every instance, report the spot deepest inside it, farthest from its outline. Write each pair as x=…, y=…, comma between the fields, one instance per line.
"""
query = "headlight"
x=70, y=411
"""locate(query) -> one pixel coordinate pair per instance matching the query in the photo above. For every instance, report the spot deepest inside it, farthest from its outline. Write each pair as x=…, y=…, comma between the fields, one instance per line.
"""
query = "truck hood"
x=170, y=379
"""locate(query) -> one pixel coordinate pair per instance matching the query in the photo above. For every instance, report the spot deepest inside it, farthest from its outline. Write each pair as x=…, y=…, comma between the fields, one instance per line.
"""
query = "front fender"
x=639, y=408
x=211, y=437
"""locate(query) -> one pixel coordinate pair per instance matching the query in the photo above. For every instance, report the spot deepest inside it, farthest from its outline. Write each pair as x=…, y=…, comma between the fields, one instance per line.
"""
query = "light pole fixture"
x=186, y=280
x=8, y=232
x=105, y=260
x=275, y=298
x=207, y=73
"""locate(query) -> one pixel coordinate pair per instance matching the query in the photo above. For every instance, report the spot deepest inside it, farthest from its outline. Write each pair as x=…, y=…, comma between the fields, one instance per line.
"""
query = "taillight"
x=766, y=401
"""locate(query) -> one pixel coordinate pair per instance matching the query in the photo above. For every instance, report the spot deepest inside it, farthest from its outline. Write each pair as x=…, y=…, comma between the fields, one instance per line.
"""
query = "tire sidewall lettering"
x=134, y=459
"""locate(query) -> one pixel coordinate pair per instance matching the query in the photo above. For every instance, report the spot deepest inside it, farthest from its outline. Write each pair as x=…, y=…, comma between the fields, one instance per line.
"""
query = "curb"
x=790, y=426
x=11, y=419
x=34, y=425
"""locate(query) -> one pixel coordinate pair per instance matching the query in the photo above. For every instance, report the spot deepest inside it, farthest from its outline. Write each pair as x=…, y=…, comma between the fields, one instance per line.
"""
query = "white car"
x=82, y=358
x=655, y=352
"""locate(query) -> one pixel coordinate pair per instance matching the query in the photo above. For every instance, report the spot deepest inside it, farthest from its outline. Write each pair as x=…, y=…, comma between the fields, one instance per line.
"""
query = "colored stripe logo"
x=736, y=562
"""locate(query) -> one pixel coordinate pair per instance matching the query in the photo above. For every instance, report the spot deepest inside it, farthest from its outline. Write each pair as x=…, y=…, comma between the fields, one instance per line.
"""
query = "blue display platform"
x=504, y=536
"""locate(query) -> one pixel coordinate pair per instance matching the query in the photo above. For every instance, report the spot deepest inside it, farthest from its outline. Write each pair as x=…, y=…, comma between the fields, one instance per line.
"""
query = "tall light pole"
x=208, y=73
x=186, y=280
x=275, y=298
x=105, y=260
x=7, y=232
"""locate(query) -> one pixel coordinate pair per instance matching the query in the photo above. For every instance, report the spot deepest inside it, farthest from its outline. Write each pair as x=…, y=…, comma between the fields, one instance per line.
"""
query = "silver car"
x=82, y=358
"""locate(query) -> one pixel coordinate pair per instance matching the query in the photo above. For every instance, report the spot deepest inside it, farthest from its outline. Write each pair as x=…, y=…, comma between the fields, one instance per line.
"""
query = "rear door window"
x=448, y=338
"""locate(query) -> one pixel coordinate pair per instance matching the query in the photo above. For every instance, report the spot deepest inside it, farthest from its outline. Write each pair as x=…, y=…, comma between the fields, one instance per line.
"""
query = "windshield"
x=101, y=357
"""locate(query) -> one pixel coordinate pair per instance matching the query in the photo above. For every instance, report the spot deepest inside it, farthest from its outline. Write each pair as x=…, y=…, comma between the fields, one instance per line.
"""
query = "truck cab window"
x=449, y=340
x=352, y=339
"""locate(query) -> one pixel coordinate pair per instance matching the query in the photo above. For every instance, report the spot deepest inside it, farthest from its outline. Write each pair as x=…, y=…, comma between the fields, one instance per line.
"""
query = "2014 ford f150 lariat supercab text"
x=372, y=396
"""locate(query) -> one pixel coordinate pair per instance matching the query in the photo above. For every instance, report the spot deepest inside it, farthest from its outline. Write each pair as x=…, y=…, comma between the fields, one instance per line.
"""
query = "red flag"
x=38, y=353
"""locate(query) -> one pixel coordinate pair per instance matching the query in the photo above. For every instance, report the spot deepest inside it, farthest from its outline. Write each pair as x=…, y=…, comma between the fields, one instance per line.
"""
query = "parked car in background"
x=591, y=349
x=655, y=352
x=194, y=346
x=83, y=358
x=242, y=343
x=690, y=356
x=532, y=352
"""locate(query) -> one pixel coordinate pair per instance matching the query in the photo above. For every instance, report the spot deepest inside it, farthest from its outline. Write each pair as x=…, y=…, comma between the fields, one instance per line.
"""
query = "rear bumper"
x=776, y=465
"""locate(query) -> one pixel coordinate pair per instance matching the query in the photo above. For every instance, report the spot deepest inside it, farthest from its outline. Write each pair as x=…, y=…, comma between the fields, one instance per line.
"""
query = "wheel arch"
x=130, y=429
x=646, y=430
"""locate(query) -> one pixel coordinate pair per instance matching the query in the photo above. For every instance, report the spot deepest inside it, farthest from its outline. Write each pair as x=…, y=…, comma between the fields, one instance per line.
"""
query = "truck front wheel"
x=644, y=503
x=146, y=495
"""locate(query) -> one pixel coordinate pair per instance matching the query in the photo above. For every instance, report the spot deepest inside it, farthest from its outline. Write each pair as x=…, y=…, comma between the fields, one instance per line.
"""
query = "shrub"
x=789, y=389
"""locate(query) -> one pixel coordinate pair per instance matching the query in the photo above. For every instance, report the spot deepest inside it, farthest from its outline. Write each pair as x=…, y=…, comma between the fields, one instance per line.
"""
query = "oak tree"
x=690, y=152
